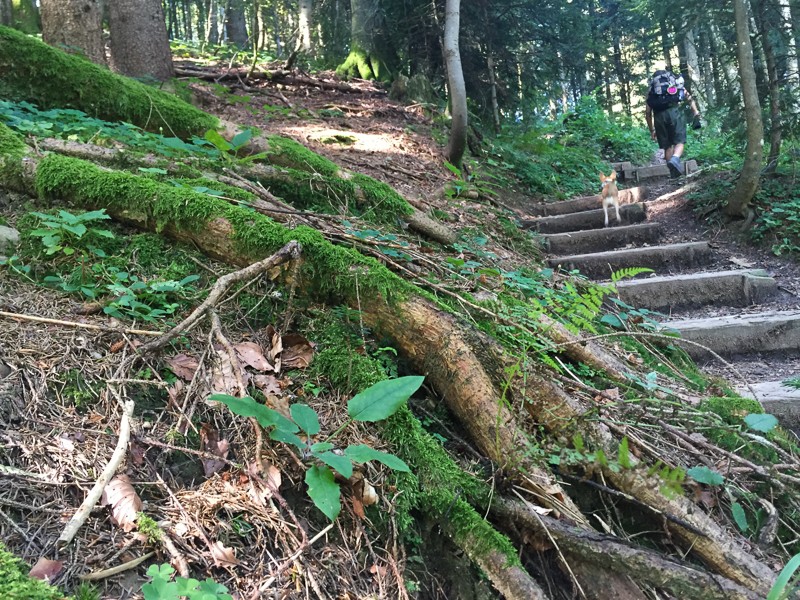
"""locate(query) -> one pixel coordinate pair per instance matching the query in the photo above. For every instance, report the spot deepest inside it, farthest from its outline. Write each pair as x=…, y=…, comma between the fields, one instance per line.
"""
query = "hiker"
x=668, y=127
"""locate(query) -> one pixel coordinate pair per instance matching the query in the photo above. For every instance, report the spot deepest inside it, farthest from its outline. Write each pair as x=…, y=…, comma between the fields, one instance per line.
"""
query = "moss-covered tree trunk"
x=368, y=43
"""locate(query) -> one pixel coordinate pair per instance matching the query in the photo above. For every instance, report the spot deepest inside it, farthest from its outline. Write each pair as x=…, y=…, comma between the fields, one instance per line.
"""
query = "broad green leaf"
x=761, y=422
x=340, y=463
x=241, y=138
x=321, y=446
x=247, y=407
x=740, y=517
x=287, y=437
x=305, y=417
x=67, y=217
x=612, y=320
x=324, y=491
x=220, y=142
x=705, y=475
x=363, y=453
x=95, y=214
x=382, y=399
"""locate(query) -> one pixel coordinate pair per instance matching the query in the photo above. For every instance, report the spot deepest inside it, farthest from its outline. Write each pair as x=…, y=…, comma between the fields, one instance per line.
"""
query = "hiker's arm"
x=648, y=116
x=692, y=105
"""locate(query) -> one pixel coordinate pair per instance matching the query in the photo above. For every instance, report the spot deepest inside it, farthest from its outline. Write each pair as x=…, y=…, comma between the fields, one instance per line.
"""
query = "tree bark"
x=368, y=54
x=139, y=42
x=746, y=186
x=6, y=13
x=762, y=19
x=455, y=83
x=304, y=16
x=236, y=24
x=75, y=26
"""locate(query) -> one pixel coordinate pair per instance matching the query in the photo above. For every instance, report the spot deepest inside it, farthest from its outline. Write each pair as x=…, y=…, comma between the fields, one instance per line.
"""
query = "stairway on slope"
x=708, y=291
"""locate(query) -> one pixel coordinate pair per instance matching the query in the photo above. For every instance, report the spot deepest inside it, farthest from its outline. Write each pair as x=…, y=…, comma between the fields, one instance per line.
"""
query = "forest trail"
x=743, y=309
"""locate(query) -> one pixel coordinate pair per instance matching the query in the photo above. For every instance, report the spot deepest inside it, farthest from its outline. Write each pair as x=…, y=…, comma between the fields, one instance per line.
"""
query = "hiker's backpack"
x=666, y=89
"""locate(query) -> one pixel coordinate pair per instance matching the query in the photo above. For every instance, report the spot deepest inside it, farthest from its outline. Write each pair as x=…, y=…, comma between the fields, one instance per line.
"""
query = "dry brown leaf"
x=137, y=452
x=174, y=392
x=251, y=354
x=46, y=569
x=223, y=375
x=267, y=383
x=297, y=351
x=117, y=346
x=261, y=490
x=210, y=442
x=223, y=557
x=124, y=501
x=378, y=571
x=358, y=507
x=276, y=347
x=279, y=403
x=183, y=365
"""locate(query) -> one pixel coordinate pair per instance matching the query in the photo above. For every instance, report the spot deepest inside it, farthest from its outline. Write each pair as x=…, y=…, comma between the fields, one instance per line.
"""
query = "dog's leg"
x=616, y=207
x=605, y=212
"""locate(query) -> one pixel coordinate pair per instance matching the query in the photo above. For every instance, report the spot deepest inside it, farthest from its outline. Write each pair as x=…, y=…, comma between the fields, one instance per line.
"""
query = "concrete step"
x=629, y=196
x=774, y=331
x=588, y=219
x=777, y=399
x=741, y=287
x=608, y=238
x=669, y=258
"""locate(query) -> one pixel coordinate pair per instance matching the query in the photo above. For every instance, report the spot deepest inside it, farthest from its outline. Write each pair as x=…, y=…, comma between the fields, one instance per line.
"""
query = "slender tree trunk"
x=455, y=84
x=212, y=22
x=666, y=46
x=706, y=67
x=172, y=29
x=6, y=13
x=25, y=16
x=622, y=82
x=186, y=13
x=304, y=25
x=763, y=20
x=367, y=58
x=792, y=41
x=139, y=43
x=75, y=26
x=746, y=186
x=236, y=23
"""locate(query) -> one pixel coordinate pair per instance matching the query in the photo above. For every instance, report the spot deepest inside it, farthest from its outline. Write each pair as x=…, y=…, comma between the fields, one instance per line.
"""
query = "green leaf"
x=705, y=475
x=324, y=491
x=761, y=422
x=306, y=418
x=624, y=457
x=247, y=407
x=219, y=142
x=363, y=453
x=783, y=584
x=340, y=463
x=382, y=399
x=740, y=517
x=321, y=446
x=241, y=138
x=612, y=320
x=287, y=437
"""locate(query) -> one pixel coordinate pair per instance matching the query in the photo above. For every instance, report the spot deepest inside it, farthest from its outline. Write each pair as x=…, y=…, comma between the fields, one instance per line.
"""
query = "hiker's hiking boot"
x=675, y=166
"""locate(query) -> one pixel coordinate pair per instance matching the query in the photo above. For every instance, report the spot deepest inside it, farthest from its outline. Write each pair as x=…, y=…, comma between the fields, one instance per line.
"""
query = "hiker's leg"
x=676, y=150
x=668, y=152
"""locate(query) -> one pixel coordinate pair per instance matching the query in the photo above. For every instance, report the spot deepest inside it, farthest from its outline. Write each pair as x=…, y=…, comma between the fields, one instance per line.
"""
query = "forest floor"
x=366, y=132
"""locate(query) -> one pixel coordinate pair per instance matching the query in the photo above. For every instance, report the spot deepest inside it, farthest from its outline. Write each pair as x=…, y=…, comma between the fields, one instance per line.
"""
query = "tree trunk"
x=707, y=67
x=6, y=13
x=622, y=82
x=236, y=24
x=746, y=186
x=75, y=26
x=763, y=18
x=139, y=43
x=455, y=84
x=25, y=16
x=368, y=54
x=304, y=18
x=666, y=46
x=212, y=22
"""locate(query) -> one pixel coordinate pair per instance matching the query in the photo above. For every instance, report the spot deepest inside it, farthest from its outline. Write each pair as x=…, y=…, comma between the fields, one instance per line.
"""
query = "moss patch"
x=33, y=71
x=15, y=582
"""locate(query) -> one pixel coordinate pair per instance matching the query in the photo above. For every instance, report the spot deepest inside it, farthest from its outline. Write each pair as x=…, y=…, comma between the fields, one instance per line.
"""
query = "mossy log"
x=466, y=368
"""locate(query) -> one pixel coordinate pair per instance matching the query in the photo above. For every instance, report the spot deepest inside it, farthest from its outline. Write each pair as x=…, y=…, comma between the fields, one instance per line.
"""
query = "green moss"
x=12, y=149
x=11, y=142
x=15, y=583
x=288, y=153
x=731, y=408
x=332, y=270
x=33, y=71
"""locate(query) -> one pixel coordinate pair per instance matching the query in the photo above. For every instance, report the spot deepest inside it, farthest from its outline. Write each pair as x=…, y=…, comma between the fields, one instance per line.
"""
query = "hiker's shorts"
x=670, y=127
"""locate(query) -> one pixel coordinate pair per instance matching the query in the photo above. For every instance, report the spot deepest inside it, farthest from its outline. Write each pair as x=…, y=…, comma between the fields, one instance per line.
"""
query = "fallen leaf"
x=223, y=557
x=210, y=442
x=117, y=346
x=46, y=569
x=267, y=384
x=251, y=354
x=137, y=452
x=124, y=501
x=297, y=351
x=223, y=376
x=378, y=571
x=281, y=404
x=174, y=392
x=358, y=507
x=183, y=365
x=276, y=347
x=742, y=262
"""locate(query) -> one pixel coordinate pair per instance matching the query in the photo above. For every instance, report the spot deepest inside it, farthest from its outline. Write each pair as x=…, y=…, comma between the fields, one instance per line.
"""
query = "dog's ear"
x=613, y=176
x=602, y=178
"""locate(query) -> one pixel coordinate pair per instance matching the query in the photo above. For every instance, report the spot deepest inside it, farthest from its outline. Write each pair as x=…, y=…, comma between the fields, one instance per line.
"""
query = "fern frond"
x=628, y=273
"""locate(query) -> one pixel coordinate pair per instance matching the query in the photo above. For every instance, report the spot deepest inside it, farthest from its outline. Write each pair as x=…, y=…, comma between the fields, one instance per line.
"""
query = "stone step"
x=669, y=258
x=777, y=399
x=629, y=196
x=741, y=287
x=775, y=331
x=580, y=242
x=588, y=219
x=689, y=167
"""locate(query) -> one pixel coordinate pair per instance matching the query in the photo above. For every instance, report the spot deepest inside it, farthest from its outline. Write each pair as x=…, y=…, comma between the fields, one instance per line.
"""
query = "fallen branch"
x=79, y=518
x=91, y=326
x=131, y=564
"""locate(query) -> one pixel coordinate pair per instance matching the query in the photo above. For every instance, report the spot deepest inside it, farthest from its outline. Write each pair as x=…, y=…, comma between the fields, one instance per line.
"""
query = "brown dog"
x=610, y=194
